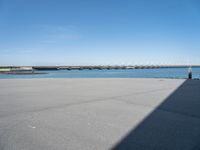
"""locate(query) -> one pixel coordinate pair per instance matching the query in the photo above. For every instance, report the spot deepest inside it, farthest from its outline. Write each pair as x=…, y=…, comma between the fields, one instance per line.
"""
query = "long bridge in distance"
x=34, y=69
x=110, y=67
x=100, y=67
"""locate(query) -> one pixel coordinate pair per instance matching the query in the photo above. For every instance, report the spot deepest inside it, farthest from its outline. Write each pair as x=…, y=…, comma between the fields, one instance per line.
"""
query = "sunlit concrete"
x=86, y=114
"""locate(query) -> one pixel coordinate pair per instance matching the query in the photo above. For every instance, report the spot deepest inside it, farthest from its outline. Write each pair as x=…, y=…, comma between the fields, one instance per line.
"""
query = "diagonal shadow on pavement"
x=173, y=125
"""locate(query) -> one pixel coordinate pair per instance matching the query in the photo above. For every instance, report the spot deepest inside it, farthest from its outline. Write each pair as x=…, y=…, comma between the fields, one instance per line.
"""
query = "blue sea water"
x=113, y=73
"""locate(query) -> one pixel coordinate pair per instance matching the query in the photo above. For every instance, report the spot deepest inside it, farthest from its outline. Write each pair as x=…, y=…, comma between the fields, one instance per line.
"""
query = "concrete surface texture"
x=99, y=114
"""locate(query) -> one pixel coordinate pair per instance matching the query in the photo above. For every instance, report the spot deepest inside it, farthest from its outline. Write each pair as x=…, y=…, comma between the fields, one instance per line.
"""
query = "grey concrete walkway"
x=98, y=114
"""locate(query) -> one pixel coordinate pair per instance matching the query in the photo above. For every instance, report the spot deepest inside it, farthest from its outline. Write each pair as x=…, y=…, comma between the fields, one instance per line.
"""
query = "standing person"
x=190, y=73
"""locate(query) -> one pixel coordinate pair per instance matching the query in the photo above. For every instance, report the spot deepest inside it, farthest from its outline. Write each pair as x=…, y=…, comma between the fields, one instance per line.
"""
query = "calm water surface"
x=121, y=73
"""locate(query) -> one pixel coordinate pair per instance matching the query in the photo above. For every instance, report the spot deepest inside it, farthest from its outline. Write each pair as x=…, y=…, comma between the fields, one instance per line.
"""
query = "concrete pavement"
x=87, y=114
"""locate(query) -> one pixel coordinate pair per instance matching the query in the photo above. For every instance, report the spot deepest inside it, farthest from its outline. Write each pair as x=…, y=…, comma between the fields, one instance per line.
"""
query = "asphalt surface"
x=99, y=114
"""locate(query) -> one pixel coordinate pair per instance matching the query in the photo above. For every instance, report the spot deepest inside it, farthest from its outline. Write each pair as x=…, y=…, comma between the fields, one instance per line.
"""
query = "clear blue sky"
x=99, y=32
